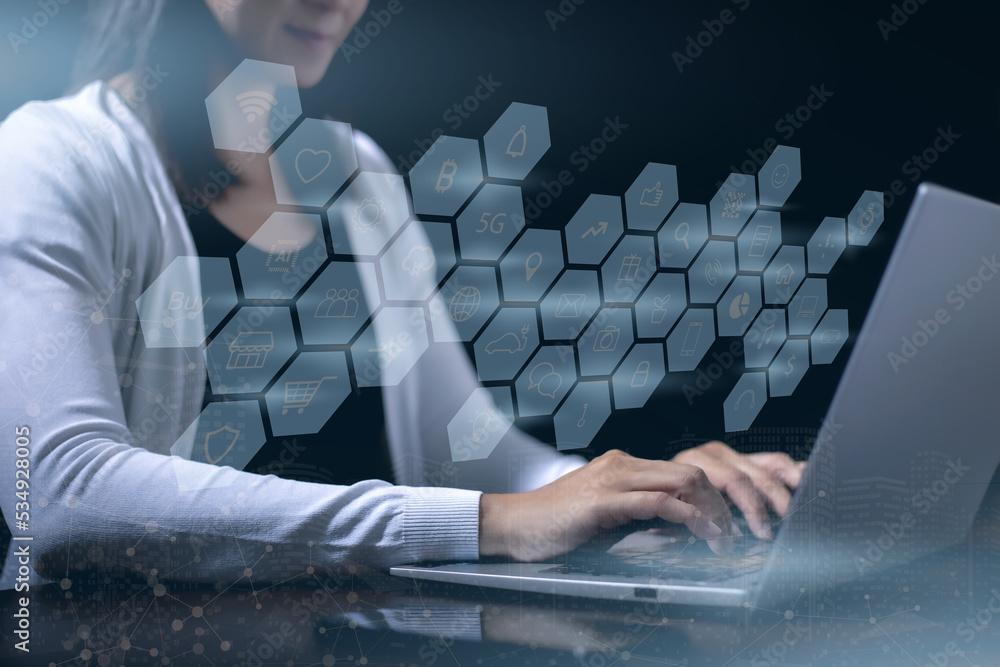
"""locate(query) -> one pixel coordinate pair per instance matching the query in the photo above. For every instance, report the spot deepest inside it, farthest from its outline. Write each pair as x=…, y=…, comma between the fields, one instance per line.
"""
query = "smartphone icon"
x=691, y=339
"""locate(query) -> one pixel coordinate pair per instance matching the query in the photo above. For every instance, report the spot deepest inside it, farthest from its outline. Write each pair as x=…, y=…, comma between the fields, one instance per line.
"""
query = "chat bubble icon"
x=544, y=378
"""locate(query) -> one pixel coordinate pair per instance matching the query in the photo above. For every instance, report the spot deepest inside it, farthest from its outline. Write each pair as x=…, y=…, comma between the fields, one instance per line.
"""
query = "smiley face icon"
x=779, y=176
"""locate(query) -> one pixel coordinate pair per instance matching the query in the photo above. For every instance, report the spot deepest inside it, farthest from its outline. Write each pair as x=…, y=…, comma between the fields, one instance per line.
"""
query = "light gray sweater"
x=89, y=221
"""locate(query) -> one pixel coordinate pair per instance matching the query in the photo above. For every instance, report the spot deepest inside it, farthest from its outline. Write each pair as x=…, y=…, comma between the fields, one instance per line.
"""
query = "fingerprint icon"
x=255, y=103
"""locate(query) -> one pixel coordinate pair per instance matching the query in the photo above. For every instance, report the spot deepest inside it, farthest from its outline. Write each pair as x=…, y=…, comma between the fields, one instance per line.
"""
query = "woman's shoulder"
x=371, y=157
x=85, y=128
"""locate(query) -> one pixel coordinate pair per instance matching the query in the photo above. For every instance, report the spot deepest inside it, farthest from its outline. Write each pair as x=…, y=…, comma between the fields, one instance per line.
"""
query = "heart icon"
x=312, y=162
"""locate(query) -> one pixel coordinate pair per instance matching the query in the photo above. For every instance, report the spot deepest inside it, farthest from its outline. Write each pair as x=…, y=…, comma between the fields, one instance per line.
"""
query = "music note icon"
x=765, y=338
x=583, y=416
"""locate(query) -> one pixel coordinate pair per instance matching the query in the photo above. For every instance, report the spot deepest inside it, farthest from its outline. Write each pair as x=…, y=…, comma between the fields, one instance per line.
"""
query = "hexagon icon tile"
x=826, y=245
x=416, y=263
x=335, y=307
x=683, y=235
x=467, y=300
x=733, y=205
x=531, y=265
x=865, y=218
x=759, y=241
x=638, y=376
x=570, y=304
x=389, y=347
x=594, y=229
x=788, y=367
x=779, y=176
x=517, y=141
x=745, y=401
x=477, y=427
x=308, y=393
x=506, y=344
x=712, y=271
x=807, y=307
x=739, y=306
x=628, y=269
x=281, y=256
x=784, y=274
x=829, y=337
x=253, y=106
x=605, y=341
x=313, y=162
x=490, y=222
x=545, y=380
x=691, y=339
x=447, y=174
x=369, y=212
x=583, y=414
x=651, y=196
x=186, y=302
x=660, y=305
x=226, y=433
x=249, y=350
x=764, y=338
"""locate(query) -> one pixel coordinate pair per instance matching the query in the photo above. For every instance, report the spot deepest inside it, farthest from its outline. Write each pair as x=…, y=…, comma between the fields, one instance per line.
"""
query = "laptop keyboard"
x=668, y=553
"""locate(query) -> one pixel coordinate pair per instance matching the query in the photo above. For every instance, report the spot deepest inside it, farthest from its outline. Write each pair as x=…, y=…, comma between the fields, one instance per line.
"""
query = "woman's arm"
x=76, y=250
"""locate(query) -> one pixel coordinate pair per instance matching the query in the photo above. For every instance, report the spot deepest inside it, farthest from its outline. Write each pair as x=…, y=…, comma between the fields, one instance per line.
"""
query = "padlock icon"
x=641, y=374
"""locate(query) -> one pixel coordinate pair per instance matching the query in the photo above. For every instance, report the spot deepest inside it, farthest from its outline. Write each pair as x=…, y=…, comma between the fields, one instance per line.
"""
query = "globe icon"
x=464, y=304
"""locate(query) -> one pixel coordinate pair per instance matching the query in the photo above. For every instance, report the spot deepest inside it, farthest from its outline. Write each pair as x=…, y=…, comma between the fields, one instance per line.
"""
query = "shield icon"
x=220, y=439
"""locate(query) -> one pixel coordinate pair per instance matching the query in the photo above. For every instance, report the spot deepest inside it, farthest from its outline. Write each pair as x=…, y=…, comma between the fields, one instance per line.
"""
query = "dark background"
x=890, y=96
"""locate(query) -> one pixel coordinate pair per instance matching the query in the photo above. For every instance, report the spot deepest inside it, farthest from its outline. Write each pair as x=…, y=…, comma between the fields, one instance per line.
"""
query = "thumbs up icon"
x=651, y=197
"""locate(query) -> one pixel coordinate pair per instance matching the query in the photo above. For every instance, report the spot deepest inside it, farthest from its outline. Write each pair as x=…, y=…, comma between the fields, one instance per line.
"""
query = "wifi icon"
x=255, y=103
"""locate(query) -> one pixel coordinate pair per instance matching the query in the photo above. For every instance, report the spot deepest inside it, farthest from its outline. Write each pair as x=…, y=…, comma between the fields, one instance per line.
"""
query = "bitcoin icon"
x=791, y=368
x=448, y=171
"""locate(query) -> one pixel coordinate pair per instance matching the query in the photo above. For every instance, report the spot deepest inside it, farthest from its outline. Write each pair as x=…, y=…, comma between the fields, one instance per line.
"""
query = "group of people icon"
x=338, y=303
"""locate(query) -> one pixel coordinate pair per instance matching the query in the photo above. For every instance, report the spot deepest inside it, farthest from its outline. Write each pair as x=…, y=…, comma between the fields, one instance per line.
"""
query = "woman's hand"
x=611, y=490
x=752, y=481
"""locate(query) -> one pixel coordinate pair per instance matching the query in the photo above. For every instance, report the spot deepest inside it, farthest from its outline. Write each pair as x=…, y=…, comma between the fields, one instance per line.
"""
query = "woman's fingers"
x=652, y=504
x=688, y=483
x=744, y=493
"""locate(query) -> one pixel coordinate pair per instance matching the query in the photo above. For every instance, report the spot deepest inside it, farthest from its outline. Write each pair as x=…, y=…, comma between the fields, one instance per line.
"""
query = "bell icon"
x=517, y=143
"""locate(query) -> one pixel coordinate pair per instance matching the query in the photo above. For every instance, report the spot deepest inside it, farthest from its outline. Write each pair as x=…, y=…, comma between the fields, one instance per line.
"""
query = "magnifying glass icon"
x=683, y=237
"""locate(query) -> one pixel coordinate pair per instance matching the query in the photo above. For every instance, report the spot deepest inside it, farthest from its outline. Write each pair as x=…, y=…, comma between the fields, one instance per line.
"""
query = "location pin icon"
x=529, y=269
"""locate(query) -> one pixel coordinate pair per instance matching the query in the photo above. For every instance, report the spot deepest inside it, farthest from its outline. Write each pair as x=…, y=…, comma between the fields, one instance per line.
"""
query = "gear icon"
x=368, y=214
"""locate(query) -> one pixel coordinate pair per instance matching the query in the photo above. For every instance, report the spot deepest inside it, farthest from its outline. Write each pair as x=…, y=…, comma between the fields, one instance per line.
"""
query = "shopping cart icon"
x=300, y=393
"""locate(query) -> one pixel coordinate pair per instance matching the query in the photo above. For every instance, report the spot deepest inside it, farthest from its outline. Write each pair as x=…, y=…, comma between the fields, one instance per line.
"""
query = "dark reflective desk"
x=944, y=611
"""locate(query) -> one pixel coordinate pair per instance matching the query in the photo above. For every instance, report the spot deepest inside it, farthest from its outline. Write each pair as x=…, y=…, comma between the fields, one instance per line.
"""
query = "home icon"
x=785, y=274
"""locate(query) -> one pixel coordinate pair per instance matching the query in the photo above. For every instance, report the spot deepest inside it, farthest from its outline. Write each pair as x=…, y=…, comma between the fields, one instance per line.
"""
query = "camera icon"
x=607, y=339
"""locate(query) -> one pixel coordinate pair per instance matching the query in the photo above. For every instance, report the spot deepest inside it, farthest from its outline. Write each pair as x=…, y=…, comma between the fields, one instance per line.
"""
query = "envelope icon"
x=570, y=305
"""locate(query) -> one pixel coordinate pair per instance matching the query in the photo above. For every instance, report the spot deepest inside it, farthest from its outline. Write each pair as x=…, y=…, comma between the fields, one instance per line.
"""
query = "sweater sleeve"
x=72, y=264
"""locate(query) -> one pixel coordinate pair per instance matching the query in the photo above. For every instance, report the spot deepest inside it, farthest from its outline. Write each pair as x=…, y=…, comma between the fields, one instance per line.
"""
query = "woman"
x=95, y=185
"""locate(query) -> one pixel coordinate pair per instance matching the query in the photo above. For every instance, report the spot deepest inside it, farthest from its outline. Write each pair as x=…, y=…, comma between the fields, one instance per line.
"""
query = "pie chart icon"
x=739, y=305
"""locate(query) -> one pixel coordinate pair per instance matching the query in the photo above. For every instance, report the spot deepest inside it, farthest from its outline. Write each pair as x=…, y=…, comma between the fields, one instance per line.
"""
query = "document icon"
x=570, y=305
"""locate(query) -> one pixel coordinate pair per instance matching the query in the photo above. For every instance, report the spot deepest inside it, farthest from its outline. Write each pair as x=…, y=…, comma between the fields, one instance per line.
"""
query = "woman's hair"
x=179, y=41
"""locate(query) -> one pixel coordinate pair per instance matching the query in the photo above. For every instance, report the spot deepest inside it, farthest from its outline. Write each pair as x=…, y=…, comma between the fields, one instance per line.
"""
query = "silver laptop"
x=906, y=452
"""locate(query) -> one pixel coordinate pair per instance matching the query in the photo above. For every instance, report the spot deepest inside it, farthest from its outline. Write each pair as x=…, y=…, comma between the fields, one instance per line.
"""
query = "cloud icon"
x=418, y=260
